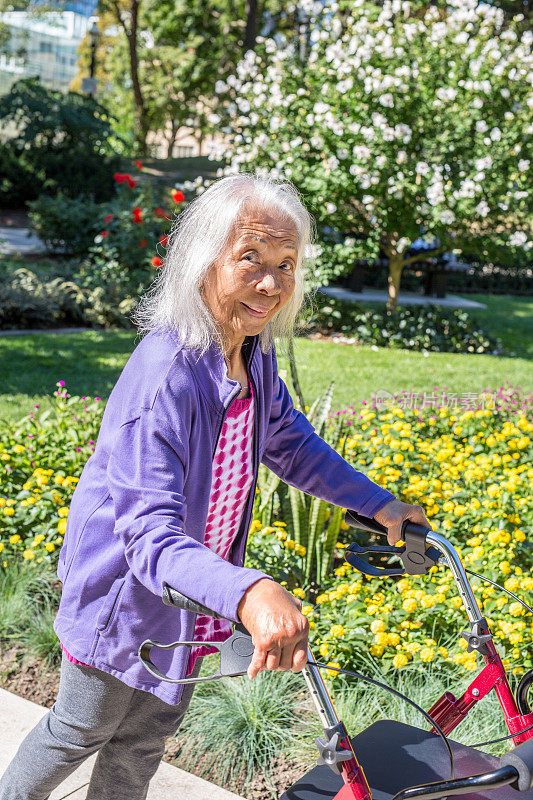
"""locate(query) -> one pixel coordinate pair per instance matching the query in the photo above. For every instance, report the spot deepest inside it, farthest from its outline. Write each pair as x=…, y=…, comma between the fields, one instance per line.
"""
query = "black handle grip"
x=521, y=758
x=364, y=523
x=171, y=597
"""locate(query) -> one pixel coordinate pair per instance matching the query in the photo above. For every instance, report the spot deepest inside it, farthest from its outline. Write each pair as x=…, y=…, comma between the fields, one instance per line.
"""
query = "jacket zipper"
x=232, y=398
x=251, y=496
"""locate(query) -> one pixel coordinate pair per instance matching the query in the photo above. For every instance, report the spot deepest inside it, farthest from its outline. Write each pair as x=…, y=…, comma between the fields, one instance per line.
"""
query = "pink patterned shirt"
x=231, y=481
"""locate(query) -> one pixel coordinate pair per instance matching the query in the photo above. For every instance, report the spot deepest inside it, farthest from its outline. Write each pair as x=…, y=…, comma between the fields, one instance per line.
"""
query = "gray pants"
x=93, y=712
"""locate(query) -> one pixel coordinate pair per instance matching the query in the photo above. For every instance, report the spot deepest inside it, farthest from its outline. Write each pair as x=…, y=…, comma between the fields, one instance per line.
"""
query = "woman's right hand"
x=278, y=629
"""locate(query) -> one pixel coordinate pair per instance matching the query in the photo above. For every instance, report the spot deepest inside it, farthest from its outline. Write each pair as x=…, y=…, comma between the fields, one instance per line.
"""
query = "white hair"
x=198, y=236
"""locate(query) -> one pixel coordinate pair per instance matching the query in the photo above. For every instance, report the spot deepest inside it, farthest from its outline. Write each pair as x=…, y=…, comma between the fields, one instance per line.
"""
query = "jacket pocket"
x=110, y=604
x=68, y=551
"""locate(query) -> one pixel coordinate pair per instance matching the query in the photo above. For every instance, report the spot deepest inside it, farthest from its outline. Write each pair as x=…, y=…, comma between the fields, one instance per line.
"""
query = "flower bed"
x=469, y=468
x=471, y=472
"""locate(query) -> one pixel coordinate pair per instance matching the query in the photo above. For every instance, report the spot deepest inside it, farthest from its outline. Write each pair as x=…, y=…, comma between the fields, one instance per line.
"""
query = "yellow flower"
x=324, y=650
x=427, y=654
x=28, y=555
x=18, y=448
x=333, y=673
x=400, y=660
x=512, y=584
x=377, y=626
x=1, y=546
x=393, y=639
x=14, y=539
x=8, y=511
x=516, y=610
x=337, y=631
x=410, y=605
x=381, y=639
x=50, y=547
x=505, y=567
x=62, y=526
x=322, y=598
x=63, y=511
x=377, y=650
x=298, y=593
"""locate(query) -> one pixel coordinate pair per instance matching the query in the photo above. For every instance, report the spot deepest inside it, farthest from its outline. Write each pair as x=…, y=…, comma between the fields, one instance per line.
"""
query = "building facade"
x=44, y=45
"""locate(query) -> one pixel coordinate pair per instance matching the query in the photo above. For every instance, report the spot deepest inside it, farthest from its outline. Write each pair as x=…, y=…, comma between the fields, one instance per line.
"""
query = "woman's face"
x=254, y=276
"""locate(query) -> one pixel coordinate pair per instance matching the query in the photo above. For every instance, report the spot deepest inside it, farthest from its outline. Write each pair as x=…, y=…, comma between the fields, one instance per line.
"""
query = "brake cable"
x=387, y=688
x=499, y=586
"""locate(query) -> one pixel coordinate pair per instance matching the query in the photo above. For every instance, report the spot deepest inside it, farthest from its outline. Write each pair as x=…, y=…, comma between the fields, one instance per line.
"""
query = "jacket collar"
x=211, y=373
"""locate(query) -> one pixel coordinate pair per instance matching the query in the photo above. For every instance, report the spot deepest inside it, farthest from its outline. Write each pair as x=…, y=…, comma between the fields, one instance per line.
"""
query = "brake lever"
x=416, y=557
x=235, y=656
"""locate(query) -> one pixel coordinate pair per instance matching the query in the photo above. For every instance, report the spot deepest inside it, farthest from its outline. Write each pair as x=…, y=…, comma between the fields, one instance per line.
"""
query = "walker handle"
x=416, y=558
x=171, y=597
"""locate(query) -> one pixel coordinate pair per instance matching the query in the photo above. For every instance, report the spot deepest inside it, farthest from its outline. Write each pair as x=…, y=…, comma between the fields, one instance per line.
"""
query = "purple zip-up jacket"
x=138, y=515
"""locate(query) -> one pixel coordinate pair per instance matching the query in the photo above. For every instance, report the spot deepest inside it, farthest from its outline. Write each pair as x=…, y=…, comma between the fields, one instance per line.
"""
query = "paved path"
x=20, y=241
x=406, y=298
x=18, y=717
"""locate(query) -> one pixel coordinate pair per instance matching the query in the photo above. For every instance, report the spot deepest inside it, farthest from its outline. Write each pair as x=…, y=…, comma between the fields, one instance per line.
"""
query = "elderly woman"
x=167, y=496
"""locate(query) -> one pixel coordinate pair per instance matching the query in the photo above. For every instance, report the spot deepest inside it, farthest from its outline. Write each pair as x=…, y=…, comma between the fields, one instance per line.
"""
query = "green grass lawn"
x=90, y=363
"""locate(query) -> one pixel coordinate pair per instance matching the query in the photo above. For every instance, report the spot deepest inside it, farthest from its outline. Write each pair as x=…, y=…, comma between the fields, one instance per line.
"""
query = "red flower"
x=104, y=233
x=161, y=214
x=163, y=240
x=119, y=177
x=142, y=243
x=138, y=164
x=108, y=218
x=131, y=183
x=177, y=196
x=137, y=215
x=157, y=262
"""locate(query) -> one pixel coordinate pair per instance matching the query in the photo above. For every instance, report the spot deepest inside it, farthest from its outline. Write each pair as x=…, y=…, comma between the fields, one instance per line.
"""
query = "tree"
x=53, y=142
x=398, y=125
x=161, y=75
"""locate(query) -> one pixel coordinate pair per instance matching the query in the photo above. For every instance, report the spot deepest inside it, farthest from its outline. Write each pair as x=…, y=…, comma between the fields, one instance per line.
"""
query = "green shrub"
x=62, y=144
x=26, y=301
x=65, y=224
x=412, y=328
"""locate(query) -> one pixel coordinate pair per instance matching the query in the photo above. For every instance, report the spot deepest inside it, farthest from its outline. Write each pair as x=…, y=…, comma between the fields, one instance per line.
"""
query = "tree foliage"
x=158, y=68
x=52, y=141
x=402, y=121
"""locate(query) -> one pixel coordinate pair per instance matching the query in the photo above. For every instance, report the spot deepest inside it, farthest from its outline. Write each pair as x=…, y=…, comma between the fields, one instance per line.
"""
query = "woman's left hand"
x=394, y=514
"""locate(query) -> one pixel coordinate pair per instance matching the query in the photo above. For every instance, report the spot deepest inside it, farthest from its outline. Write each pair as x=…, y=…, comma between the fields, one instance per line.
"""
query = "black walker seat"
x=395, y=756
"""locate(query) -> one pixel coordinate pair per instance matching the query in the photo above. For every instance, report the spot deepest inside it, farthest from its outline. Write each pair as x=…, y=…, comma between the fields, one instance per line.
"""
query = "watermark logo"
x=443, y=399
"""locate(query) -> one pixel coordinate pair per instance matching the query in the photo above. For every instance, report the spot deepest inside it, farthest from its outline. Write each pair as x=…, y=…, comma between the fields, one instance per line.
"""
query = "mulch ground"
x=30, y=678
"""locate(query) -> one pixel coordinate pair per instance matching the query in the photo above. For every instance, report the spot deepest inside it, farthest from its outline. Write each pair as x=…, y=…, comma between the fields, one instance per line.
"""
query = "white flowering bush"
x=398, y=123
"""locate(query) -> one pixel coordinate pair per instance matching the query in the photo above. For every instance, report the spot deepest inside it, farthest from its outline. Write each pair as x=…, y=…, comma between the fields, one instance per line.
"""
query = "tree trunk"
x=250, y=32
x=141, y=125
x=396, y=264
x=171, y=139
